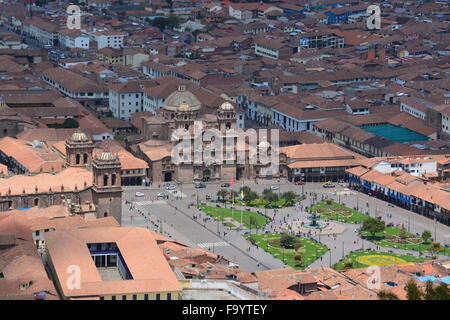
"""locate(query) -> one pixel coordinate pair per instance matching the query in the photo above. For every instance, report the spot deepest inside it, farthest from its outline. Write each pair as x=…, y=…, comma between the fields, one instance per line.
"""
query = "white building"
x=69, y=39
x=414, y=165
x=112, y=39
x=415, y=106
x=239, y=12
x=74, y=85
x=43, y=31
x=127, y=98
x=446, y=120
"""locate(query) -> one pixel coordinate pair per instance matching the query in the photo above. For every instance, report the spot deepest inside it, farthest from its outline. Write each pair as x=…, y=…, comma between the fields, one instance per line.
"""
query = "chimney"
x=371, y=54
x=382, y=54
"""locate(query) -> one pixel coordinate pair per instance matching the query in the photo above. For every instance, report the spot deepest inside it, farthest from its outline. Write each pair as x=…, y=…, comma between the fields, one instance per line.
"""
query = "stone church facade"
x=180, y=122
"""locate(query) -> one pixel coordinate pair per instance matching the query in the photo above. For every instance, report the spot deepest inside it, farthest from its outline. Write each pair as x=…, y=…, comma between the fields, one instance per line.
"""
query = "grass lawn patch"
x=363, y=259
x=335, y=211
x=309, y=250
x=390, y=238
x=251, y=220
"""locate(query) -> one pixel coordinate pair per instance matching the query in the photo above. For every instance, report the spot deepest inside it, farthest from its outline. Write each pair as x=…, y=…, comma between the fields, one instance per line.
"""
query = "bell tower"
x=107, y=186
x=79, y=150
x=226, y=117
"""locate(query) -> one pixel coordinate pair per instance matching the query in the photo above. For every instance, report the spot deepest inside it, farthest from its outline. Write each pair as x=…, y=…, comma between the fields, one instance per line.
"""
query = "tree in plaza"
x=249, y=194
x=234, y=195
x=348, y=264
x=269, y=196
x=373, y=226
x=412, y=291
x=435, y=247
x=403, y=234
x=299, y=260
x=289, y=196
x=426, y=235
x=297, y=245
x=385, y=295
x=221, y=194
x=287, y=241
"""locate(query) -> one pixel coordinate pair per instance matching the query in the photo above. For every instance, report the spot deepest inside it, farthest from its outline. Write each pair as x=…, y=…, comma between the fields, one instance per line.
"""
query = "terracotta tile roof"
x=156, y=153
x=38, y=158
x=68, y=179
x=149, y=269
x=318, y=151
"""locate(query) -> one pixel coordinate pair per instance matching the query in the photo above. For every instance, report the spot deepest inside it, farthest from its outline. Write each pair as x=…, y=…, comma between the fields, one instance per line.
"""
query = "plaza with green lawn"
x=393, y=237
x=334, y=211
x=250, y=219
x=301, y=254
x=363, y=259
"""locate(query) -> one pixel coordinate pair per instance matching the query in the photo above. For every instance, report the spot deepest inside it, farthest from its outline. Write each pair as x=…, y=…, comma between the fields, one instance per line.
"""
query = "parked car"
x=299, y=183
x=274, y=188
x=225, y=185
x=328, y=185
x=200, y=186
x=139, y=194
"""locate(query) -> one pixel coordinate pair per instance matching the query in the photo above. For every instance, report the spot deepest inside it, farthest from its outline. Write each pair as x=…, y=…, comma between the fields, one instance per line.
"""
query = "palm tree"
x=385, y=295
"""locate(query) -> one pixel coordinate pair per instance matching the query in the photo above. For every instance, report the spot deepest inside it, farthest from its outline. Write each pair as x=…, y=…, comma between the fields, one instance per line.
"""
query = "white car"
x=171, y=187
x=139, y=194
x=161, y=195
x=274, y=187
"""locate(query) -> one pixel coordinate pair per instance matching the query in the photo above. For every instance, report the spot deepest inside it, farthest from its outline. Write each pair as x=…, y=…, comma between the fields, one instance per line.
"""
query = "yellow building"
x=110, y=56
x=113, y=263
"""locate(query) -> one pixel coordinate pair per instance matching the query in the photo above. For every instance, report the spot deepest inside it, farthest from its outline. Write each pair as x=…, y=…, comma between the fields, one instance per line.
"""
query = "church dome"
x=226, y=106
x=184, y=107
x=184, y=98
x=79, y=137
x=106, y=156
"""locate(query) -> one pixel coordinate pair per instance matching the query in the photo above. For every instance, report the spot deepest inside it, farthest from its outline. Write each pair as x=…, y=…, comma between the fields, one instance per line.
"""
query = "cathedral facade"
x=181, y=124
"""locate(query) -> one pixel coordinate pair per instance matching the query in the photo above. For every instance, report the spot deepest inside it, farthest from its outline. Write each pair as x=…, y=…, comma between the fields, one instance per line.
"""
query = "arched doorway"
x=206, y=175
x=167, y=176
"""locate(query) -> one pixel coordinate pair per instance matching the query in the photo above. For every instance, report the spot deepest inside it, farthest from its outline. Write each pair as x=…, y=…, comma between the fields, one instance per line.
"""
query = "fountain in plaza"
x=314, y=224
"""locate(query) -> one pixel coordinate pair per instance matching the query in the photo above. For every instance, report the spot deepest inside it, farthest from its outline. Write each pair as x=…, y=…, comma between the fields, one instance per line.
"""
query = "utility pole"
x=343, y=246
x=330, y=258
x=409, y=222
